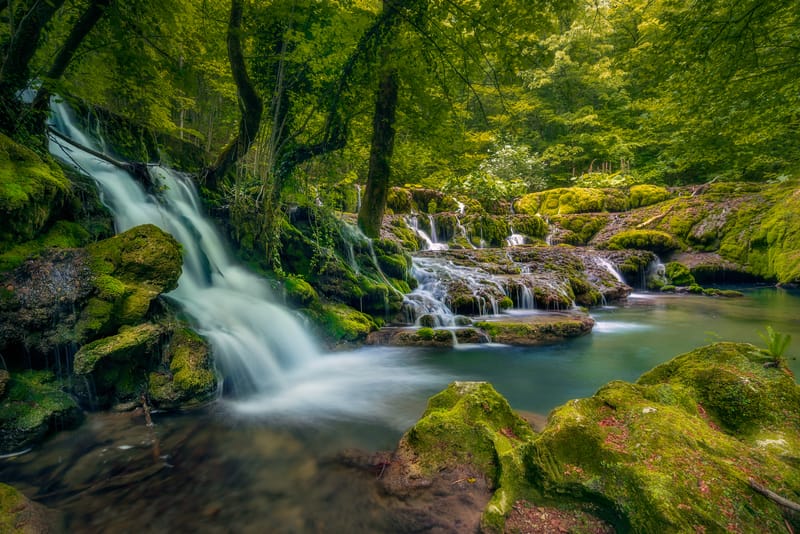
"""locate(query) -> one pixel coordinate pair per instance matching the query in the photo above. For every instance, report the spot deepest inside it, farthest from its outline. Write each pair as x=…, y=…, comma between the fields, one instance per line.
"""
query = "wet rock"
x=4, y=379
x=34, y=406
x=426, y=337
x=190, y=379
x=536, y=329
x=18, y=514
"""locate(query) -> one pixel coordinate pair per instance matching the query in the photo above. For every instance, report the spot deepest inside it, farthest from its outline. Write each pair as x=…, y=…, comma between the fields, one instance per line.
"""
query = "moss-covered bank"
x=677, y=451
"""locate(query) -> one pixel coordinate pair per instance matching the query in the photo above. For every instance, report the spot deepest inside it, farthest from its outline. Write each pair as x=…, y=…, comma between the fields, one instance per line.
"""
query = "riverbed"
x=271, y=463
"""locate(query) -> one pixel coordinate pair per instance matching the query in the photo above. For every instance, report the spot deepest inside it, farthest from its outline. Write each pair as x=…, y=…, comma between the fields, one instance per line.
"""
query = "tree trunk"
x=18, y=54
x=373, y=204
x=250, y=104
x=94, y=12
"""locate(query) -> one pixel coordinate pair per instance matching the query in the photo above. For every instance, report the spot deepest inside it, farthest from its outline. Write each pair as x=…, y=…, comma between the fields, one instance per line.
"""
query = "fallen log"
x=774, y=497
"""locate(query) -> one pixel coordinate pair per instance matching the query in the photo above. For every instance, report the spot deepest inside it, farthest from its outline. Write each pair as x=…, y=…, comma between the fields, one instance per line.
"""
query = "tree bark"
x=373, y=204
x=18, y=54
x=94, y=12
x=250, y=104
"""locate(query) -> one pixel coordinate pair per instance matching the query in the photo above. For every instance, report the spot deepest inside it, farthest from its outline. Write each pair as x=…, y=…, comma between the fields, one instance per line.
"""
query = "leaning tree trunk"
x=94, y=12
x=373, y=204
x=250, y=104
x=19, y=51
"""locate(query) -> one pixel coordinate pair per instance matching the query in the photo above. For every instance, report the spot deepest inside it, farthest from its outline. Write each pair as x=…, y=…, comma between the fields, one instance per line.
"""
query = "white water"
x=429, y=241
x=262, y=349
x=608, y=266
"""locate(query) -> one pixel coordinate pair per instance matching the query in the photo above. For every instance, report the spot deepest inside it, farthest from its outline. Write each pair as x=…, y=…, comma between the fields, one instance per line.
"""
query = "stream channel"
x=267, y=461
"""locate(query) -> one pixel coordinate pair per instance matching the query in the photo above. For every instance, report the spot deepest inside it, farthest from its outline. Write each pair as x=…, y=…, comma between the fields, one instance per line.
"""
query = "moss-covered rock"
x=299, y=292
x=19, y=515
x=675, y=451
x=468, y=424
x=581, y=227
x=190, y=379
x=32, y=191
x=678, y=274
x=646, y=194
x=119, y=364
x=342, y=323
x=652, y=240
x=34, y=406
x=568, y=200
x=536, y=329
x=130, y=270
x=427, y=336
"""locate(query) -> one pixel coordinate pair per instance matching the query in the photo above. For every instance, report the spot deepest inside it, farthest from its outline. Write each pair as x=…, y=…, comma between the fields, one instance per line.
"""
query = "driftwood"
x=774, y=497
x=656, y=218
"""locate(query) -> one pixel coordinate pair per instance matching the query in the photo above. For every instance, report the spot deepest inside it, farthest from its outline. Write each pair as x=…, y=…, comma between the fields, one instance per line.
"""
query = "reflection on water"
x=267, y=466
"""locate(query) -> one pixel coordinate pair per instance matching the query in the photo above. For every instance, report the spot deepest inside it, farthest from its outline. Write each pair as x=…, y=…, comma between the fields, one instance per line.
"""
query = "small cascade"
x=656, y=272
x=432, y=223
x=429, y=241
x=358, y=198
x=608, y=266
x=548, y=239
x=514, y=239
x=461, y=207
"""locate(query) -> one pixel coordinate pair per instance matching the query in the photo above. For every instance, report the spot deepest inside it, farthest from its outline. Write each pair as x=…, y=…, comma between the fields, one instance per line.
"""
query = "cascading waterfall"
x=263, y=350
x=429, y=241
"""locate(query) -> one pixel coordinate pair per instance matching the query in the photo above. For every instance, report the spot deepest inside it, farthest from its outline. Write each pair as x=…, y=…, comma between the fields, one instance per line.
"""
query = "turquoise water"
x=222, y=470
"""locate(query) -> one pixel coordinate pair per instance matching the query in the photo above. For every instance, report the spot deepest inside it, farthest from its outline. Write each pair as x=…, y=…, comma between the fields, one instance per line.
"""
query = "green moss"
x=425, y=333
x=342, y=323
x=142, y=256
x=399, y=200
x=678, y=274
x=191, y=368
x=489, y=230
x=646, y=195
x=31, y=190
x=299, y=292
x=63, y=234
x=469, y=423
x=32, y=407
x=652, y=240
x=536, y=330
x=583, y=227
x=569, y=200
x=126, y=347
x=532, y=226
x=109, y=288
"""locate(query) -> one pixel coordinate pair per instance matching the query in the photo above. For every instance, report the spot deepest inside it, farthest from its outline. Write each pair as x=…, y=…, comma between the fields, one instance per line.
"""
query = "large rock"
x=187, y=378
x=67, y=297
x=537, y=329
x=34, y=406
x=693, y=446
x=468, y=429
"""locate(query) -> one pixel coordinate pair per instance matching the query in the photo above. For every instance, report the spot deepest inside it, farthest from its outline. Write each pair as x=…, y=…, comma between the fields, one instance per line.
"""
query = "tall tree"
x=250, y=105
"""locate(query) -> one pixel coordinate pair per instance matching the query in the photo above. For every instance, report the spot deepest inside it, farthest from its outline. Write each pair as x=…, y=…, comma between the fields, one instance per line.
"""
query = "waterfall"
x=608, y=266
x=430, y=242
x=263, y=350
x=358, y=198
x=514, y=239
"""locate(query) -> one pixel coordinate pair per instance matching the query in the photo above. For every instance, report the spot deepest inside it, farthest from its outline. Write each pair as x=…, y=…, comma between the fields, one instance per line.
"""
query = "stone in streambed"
x=426, y=337
x=190, y=379
x=20, y=515
x=537, y=329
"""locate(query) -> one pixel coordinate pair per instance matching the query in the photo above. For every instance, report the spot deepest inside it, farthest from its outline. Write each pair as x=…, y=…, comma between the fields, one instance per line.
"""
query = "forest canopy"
x=494, y=98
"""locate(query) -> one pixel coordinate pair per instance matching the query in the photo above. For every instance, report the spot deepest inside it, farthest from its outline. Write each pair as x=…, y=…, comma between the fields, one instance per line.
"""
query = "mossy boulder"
x=32, y=191
x=675, y=452
x=568, y=200
x=582, y=227
x=467, y=427
x=651, y=240
x=426, y=336
x=678, y=274
x=19, y=515
x=536, y=329
x=190, y=379
x=646, y=195
x=34, y=406
x=118, y=364
x=130, y=270
x=299, y=292
x=340, y=323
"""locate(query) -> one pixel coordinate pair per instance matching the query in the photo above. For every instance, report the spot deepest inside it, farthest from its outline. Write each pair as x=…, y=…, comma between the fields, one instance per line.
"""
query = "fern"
x=776, y=342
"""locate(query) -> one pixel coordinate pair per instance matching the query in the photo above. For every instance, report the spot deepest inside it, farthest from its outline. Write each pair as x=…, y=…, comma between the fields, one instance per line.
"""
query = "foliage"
x=777, y=342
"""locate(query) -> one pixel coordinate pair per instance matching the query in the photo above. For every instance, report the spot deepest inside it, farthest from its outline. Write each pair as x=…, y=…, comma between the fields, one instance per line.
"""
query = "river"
x=226, y=468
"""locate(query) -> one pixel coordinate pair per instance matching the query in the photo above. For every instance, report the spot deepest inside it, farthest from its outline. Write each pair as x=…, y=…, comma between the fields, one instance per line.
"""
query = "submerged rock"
x=537, y=329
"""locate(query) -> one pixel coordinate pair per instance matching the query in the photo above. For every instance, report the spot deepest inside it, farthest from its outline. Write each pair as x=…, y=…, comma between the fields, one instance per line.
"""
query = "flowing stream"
x=264, y=463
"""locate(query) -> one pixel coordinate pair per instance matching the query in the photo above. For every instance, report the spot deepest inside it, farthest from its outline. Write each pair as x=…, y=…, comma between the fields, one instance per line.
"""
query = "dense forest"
x=553, y=196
